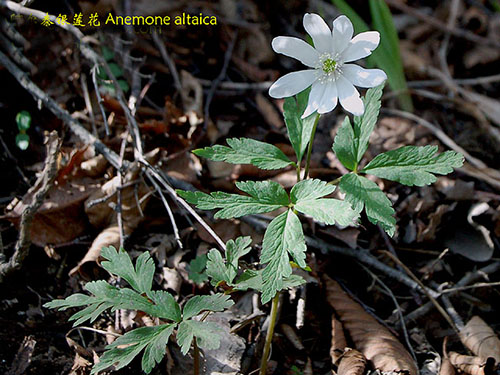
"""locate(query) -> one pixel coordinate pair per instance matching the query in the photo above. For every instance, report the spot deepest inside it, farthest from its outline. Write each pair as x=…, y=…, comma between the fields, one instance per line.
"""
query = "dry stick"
x=443, y=50
x=468, y=278
x=170, y=63
x=450, y=309
x=398, y=308
x=440, y=25
x=433, y=300
x=218, y=80
x=88, y=103
x=100, y=100
x=42, y=186
x=459, y=81
x=169, y=210
x=118, y=208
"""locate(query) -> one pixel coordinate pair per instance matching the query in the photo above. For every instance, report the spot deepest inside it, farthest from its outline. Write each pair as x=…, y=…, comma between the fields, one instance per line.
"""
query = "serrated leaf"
x=197, y=272
x=226, y=270
x=206, y=333
x=412, y=165
x=197, y=304
x=23, y=120
x=310, y=189
x=265, y=196
x=306, y=194
x=153, y=340
x=363, y=193
x=284, y=235
x=299, y=130
x=119, y=263
x=351, y=141
x=252, y=279
x=328, y=211
x=165, y=306
x=247, y=151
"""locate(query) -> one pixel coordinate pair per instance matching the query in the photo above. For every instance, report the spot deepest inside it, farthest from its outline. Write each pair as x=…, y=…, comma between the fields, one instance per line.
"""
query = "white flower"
x=332, y=79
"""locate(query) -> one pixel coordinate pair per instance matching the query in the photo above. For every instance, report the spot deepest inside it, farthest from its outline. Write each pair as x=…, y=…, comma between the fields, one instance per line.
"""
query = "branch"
x=42, y=186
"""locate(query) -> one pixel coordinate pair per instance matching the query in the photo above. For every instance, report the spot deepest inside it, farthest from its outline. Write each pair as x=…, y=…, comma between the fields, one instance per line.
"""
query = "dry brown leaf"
x=268, y=111
x=446, y=365
x=95, y=166
x=372, y=339
x=353, y=362
x=472, y=365
x=338, y=340
x=60, y=219
x=480, y=339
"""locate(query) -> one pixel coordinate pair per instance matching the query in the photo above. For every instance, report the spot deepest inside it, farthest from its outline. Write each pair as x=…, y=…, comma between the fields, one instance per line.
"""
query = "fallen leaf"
x=338, y=340
x=480, y=339
x=353, y=362
x=472, y=365
x=372, y=339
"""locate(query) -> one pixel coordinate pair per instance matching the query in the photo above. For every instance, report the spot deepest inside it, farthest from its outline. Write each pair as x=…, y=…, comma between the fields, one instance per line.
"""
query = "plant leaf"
x=206, y=333
x=119, y=263
x=226, y=270
x=299, y=130
x=165, y=306
x=247, y=151
x=23, y=120
x=412, y=165
x=197, y=304
x=265, y=196
x=363, y=193
x=153, y=340
x=283, y=235
x=197, y=272
x=328, y=211
x=351, y=142
x=310, y=189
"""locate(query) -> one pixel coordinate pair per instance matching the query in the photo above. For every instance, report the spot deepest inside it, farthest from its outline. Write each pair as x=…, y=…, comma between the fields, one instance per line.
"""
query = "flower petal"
x=349, y=97
x=361, y=46
x=330, y=98
x=292, y=83
x=362, y=77
x=296, y=48
x=341, y=33
x=319, y=31
x=315, y=98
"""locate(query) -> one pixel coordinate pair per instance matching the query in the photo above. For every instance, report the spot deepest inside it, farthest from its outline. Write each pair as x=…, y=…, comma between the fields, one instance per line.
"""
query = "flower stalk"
x=310, y=146
x=269, y=335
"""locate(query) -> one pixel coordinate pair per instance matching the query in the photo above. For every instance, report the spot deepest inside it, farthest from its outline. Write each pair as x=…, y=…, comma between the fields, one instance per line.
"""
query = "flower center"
x=329, y=65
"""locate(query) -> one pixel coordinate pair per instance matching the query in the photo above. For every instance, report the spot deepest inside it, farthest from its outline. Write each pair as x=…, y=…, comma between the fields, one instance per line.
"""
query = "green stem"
x=297, y=168
x=335, y=182
x=196, y=359
x=269, y=336
x=310, y=146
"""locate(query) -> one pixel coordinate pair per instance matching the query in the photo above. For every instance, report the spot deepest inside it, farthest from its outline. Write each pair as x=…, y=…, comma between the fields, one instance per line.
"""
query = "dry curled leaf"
x=472, y=365
x=372, y=339
x=481, y=339
x=352, y=363
x=338, y=340
x=446, y=365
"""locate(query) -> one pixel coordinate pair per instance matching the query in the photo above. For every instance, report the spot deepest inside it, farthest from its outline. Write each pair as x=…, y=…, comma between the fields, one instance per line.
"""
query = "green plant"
x=159, y=304
x=23, y=121
x=108, y=86
x=284, y=237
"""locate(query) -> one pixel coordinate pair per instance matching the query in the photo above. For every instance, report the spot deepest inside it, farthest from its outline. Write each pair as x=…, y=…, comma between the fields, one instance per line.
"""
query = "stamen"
x=329, y=65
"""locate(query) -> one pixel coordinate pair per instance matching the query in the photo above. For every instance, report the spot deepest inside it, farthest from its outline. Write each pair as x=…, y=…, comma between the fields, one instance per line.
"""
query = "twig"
x=398, y=308
x=443, y=50
x=459, y=81
x=88, y=103
x=169, y=210
x=40, y=189
x=170, y=63
x=433, y=300
x=441, y=26
x=100, y=100
x=218, y=80
x=118, y=208
x=473, y=286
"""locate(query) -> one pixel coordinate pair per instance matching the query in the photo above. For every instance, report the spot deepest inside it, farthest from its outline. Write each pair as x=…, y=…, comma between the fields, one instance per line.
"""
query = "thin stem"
x=335, y=182
x=298, y=172
x=310, y=146
x=269, y=336
x=196, y=359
